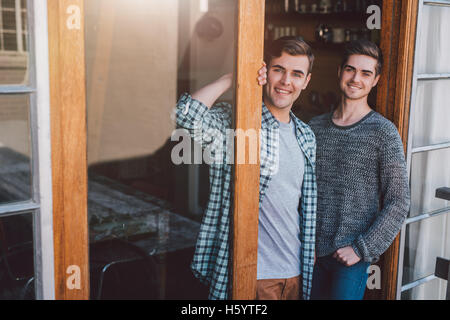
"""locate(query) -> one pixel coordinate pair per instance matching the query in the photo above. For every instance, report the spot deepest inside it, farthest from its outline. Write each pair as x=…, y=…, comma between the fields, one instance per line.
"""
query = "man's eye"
x=298, y=75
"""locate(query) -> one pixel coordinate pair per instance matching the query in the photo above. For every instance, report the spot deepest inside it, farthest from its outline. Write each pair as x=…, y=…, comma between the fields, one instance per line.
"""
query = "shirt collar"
x=267, y=119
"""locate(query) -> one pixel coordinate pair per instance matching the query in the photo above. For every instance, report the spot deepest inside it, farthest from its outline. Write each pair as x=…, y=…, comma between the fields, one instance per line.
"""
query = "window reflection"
x=431, y=290
x=144, y=211
x=16, y=257
x=424, y=241
x=429, y=171
x=15, y=173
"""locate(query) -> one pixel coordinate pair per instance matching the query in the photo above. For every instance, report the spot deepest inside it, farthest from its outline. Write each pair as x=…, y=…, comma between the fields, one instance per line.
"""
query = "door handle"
x=443, y=193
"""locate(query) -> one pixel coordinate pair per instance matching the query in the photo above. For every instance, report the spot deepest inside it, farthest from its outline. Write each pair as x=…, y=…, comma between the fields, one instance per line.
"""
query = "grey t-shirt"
x=279, y=221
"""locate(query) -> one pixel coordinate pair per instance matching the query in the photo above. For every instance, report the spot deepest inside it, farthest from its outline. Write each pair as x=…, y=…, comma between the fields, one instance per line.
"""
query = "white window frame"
x=410, y=151
x=40, y=203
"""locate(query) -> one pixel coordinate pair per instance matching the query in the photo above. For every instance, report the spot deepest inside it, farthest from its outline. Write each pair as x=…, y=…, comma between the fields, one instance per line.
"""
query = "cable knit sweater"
x=362, y=182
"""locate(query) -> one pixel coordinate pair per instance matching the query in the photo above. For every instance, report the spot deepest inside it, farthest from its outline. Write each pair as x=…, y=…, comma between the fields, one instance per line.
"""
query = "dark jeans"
x=332, y=280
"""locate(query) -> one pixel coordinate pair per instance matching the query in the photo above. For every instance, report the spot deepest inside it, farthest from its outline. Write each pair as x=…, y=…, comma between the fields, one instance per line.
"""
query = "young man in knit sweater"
x=362, y=182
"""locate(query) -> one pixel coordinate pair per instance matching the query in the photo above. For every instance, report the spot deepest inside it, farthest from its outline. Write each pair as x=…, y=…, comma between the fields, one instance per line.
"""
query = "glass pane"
x=10, y=40
x=432, y=290
x=8, y=3
x=429, y=171
x=140, y=202
x=17, y=257
x=14, y=44
x=326, y=26
x=15, y=174
x=425, y=240
x=431, y=113
x=9, y=20
x=434, y=34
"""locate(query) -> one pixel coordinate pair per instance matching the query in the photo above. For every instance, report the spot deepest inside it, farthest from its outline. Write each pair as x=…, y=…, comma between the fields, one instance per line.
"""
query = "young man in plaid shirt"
x=287, y=201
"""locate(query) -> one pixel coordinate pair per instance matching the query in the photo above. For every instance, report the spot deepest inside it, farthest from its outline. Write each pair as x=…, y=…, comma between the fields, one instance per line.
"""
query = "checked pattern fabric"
x=210, y=128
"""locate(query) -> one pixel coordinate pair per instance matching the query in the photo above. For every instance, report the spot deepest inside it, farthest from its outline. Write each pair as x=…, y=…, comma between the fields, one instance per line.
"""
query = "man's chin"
x=355, y=96
x=282, y=106
x=278, y=104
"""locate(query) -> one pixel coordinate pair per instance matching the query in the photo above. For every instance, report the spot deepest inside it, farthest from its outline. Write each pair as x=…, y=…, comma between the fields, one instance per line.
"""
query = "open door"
x=146, y=200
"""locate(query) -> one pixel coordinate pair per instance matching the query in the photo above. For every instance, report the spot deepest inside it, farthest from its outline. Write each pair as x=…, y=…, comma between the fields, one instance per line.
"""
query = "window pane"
x=14, y=48
x=432, y=113
x=15, y=175
x=16, y=248
x=10, y=40
x=24, y=21
x=8, y=3
x=139, y=201
x=434, y=34
x=25, y=42
x=9, y=20
x=425, y=240
x=432, y=290
x=429, y=171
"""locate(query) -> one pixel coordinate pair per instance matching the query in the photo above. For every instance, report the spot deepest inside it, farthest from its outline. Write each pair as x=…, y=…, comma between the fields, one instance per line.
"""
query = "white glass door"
x=426, y=234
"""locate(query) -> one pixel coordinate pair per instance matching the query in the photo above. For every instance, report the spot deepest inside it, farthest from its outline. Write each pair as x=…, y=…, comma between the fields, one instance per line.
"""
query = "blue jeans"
x=332, y=280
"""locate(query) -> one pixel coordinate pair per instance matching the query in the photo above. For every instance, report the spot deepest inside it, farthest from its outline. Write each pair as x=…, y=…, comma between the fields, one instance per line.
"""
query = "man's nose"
x=286, y=79
x=356, y=77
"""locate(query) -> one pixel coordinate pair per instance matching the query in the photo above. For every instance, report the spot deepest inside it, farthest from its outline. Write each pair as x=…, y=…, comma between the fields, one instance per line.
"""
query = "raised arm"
x=194, y=112
x=211, y=92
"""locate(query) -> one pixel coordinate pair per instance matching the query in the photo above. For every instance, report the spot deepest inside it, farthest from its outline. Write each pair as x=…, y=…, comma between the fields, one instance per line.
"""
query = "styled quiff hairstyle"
x=366, y=48
x=294, y=46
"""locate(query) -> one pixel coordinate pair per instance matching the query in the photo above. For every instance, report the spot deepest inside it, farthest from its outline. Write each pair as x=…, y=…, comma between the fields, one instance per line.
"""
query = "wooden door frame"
x=69, y=146
x=68, y=139
x=247, y=116
x=399, y=24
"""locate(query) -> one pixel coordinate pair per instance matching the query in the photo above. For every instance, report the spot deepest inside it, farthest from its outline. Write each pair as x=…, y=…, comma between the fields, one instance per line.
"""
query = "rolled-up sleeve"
x=203, y=124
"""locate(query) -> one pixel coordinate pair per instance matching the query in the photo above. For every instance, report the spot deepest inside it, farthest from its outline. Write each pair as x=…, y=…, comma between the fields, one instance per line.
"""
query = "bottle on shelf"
x=324, y=33
x=339, y=6
x=294, y=6
x=285, y=31
x=325, y=6
x=348, y=35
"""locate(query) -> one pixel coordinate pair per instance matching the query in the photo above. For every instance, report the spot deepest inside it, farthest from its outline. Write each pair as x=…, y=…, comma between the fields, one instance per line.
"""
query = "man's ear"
x=376, y=80
x=308, y=78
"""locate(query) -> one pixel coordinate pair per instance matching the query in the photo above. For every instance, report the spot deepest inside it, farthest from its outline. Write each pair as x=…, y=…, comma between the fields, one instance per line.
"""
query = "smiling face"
x=287, y=76
x=357, y=77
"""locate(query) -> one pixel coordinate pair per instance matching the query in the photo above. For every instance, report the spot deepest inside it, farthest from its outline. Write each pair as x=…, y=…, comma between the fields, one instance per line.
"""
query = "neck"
x=281, y=114
x=351, y=111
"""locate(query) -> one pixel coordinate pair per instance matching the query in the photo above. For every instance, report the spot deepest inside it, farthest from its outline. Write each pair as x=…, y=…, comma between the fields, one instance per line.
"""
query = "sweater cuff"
x=361, y=251
x=358, y=253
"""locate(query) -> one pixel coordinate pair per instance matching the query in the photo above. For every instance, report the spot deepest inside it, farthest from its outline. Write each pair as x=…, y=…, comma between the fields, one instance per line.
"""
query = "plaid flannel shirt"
x=211, y=261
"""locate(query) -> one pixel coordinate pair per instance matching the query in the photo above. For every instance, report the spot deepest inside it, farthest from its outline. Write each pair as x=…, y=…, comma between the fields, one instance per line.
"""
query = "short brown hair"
x=295, y=46
x=366, y=48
